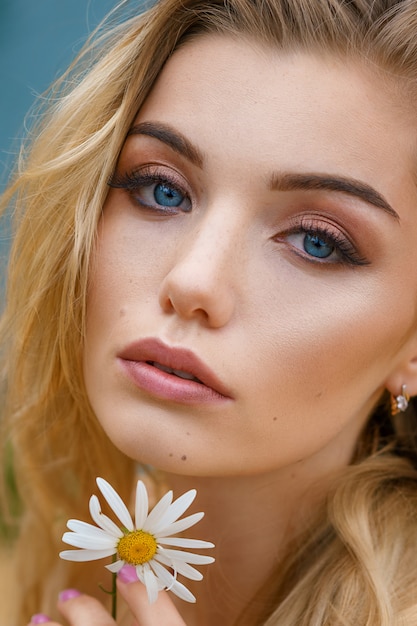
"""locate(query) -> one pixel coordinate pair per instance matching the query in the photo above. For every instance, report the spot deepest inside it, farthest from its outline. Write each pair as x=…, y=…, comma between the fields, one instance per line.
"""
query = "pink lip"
x=135, y=360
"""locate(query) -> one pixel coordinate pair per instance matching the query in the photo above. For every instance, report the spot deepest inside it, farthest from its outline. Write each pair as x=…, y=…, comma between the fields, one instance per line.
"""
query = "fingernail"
x=68, y=594
x=128, y=574
x=40, y=618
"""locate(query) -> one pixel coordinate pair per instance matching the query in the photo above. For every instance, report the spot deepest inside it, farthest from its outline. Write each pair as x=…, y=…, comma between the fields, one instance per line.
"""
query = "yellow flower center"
x=137, y=547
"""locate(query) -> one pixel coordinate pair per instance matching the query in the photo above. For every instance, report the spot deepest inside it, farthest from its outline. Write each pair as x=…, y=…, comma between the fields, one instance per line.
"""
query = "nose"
x=201, y=282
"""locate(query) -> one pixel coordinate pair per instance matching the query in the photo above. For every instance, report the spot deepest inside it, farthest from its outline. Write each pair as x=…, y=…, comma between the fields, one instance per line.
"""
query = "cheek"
x=133, y=255
x=318, y=364
x=122, y=275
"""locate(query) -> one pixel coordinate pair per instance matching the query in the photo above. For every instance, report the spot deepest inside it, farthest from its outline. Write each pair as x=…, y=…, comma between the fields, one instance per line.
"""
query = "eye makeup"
x=319, y=241
x=154, y=188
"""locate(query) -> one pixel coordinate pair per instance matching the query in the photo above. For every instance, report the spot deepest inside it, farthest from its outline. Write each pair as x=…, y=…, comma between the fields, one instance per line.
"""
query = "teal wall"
x=38, y=39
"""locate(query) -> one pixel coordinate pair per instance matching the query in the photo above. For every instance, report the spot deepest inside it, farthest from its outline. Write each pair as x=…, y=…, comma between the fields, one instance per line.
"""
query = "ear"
x=404, y=374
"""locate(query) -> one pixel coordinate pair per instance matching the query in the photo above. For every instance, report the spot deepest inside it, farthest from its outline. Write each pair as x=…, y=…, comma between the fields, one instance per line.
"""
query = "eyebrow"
x=279, y=181
x=341, y=184
x=173, y=139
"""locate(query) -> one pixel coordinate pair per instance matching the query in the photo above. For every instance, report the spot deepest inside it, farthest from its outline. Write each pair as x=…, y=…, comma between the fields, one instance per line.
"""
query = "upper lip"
x=178, y=358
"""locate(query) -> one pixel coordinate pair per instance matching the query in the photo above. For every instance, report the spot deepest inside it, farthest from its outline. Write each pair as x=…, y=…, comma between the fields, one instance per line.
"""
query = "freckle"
x=188, y=433
x=274, y=419
x=319, y=394
x=183, y=458
x=170, y=454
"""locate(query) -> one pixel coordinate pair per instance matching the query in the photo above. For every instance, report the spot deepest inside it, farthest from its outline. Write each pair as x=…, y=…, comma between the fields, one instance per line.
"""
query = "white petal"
x=187, y=570
x=141, y=576
x=88, y=530
x=151, y=583
x=115, y=502
x=139, y=573
x=157, y=512
x=176, y=509
x=102, y=520
x=182, y=542
x=115, y=567
x=188, y=557
x=164, y=576
x=182, y=568
x=85, y=555
x=182, y=524
x=182, y=592
x=91, y=543
x=141, y=509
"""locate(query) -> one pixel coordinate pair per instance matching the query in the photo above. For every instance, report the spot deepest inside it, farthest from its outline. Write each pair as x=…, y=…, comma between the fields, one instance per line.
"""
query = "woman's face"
x=259, y=239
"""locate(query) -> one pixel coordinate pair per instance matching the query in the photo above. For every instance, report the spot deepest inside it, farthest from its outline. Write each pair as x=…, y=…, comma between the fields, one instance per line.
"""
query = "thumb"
x=160, y=612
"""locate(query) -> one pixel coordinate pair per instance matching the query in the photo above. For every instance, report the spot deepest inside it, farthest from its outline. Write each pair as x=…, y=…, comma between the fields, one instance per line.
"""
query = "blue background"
x=38, y=40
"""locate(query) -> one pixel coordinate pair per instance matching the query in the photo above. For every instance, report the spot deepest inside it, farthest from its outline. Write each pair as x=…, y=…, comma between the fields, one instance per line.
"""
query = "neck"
x=250, y=519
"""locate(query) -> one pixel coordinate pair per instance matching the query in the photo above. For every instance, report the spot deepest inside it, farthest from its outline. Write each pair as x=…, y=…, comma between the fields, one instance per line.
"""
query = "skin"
x=305, y=345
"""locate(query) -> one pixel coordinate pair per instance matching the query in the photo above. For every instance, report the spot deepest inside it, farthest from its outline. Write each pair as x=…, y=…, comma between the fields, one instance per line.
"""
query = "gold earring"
x=400, y=403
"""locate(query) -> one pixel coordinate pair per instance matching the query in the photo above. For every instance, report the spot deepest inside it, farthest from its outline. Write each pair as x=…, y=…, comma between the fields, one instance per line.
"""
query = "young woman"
x=214, y=281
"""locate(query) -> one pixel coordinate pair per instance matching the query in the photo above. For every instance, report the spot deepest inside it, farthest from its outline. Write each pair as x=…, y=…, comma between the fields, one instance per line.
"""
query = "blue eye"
x=321, y=243
x=167, y=196
x=153, y=190
x=317, y=246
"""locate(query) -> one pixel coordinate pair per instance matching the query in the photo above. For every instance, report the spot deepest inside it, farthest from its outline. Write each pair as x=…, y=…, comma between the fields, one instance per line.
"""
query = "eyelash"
x=146, y=177
x=343, y=247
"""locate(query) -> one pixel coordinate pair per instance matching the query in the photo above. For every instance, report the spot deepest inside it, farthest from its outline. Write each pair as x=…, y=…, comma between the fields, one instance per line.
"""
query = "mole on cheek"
x=183, y=458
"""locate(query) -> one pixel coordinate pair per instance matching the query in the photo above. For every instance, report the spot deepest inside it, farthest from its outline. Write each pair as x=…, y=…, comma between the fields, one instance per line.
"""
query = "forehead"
x=272, y=108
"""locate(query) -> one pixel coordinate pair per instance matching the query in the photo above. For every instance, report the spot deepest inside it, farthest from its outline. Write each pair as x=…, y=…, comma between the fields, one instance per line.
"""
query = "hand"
x=82, y=610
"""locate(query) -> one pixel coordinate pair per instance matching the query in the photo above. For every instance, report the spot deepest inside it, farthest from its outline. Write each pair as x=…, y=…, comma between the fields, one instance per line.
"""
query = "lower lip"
x=168, y=386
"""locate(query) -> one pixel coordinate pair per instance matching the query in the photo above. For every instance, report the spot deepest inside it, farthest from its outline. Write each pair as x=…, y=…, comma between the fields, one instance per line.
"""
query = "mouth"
x=171, y=373
x=174, y=372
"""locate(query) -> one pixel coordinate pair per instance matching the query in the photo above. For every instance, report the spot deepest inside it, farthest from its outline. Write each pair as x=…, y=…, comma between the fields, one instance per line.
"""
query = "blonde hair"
x=356, y=564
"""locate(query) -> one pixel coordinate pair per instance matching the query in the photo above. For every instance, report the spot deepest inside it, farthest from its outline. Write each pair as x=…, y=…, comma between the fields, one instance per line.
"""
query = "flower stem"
x=112, y=593
x=114, y=598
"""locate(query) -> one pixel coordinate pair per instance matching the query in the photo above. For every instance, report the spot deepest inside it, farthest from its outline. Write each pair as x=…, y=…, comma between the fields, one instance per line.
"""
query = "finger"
x=82, y=610
x=41, y=618
x=160, y=612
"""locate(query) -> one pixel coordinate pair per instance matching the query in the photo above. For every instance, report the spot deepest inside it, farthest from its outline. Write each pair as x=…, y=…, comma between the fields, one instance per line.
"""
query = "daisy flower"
x=146, y=544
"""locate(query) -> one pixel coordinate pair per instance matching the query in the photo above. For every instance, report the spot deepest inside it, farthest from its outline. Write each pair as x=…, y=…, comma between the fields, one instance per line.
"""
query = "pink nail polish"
x=40, y=618
x=68, y=594
x=128, y=574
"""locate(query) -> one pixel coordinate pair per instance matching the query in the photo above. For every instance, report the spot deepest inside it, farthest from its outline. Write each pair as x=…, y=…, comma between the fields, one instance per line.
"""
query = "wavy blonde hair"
x=356, y=565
